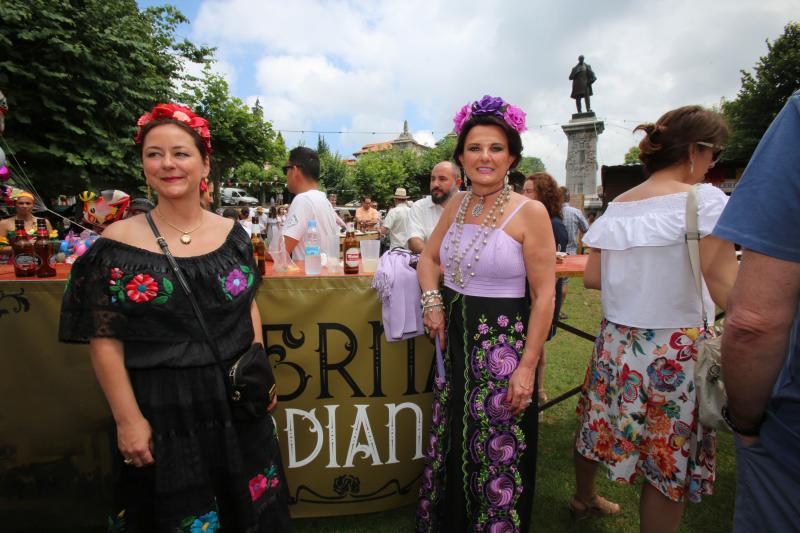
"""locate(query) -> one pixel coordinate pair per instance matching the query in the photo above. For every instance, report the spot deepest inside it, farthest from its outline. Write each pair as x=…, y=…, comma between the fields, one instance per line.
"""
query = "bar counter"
x=572, y=266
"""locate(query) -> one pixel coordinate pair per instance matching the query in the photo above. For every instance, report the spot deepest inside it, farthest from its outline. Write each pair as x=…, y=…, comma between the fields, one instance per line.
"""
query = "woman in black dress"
x=182, y=463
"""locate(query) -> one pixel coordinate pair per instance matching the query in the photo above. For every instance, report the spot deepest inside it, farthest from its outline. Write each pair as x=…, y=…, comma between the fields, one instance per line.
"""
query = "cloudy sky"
x=365, y=66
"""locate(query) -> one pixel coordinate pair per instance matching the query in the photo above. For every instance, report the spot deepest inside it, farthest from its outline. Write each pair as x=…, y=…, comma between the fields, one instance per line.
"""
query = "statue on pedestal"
x=582, y=78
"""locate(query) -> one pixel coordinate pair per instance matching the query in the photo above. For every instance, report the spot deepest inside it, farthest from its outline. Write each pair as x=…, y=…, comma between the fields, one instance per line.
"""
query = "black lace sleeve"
x=86, y=309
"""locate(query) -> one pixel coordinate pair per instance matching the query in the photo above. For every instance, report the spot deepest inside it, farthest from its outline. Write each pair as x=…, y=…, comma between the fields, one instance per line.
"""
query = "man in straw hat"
x=396, y=222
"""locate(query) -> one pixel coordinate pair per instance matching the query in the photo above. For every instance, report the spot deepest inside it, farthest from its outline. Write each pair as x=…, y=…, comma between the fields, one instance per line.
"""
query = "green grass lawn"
x=567, y=359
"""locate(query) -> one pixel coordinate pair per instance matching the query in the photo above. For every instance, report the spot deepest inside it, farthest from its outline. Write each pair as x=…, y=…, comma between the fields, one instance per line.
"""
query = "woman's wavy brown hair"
x=547, y=192
x=666, y=142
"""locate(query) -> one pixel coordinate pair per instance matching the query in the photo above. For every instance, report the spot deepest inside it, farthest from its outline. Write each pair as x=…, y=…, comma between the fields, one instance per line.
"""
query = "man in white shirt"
x=396, y=222
x=425, y=213
x=302, y=176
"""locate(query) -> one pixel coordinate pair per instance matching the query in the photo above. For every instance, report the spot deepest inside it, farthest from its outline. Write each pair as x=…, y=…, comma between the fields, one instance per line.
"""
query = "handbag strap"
x=692, y=237
x=186, y=289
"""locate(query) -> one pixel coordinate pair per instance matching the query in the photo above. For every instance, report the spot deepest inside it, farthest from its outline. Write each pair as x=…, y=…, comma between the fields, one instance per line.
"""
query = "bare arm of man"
x=762, y=306
x=290, y=244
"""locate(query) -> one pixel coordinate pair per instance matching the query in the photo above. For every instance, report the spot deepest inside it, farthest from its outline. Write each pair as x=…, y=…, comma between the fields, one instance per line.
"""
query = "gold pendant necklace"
x=186, y=237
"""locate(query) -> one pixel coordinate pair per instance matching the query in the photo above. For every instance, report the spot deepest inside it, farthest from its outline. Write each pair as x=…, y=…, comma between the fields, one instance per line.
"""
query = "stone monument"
x=582, y=131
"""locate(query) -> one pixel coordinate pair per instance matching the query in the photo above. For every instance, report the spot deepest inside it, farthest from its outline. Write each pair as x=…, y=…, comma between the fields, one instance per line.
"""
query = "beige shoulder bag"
x=708, y=368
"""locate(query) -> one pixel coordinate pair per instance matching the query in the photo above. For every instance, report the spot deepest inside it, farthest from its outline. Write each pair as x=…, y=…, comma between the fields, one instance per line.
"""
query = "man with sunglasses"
x=302, y=180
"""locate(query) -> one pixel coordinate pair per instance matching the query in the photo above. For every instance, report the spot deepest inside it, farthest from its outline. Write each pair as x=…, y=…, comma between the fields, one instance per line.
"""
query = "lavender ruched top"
x=500, y=272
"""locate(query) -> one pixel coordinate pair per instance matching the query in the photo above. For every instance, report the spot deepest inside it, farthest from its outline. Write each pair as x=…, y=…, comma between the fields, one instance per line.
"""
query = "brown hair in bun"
x=666, y=142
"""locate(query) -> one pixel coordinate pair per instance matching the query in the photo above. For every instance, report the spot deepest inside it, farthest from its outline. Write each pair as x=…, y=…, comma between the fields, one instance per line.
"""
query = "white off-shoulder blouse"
x=645, y=271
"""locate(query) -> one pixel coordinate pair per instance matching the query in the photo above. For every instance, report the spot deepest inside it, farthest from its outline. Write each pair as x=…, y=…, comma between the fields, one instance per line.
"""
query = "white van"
x=234, y=196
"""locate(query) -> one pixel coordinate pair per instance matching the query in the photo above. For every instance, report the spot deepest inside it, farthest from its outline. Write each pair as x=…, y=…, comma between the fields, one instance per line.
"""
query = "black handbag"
x=249, y=382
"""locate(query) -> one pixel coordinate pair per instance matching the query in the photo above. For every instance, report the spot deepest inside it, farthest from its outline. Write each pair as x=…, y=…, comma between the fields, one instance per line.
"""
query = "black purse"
x=249, y=382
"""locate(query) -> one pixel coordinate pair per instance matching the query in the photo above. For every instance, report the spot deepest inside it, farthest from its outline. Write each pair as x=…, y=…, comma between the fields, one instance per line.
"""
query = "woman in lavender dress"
x=481, y=457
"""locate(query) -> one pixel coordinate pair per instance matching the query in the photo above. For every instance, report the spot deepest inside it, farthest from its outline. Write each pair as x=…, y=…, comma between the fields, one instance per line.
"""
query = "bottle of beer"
x=259, y=249
x=352, y=252
x=43, y=248
x=24, y=256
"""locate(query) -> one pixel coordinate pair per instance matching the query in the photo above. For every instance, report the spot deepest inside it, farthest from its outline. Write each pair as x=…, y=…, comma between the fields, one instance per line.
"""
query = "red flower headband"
x=178, y=113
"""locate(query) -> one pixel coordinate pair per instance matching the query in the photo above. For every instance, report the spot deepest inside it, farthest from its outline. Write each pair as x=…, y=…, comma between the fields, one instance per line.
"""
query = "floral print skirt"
x=638, y=411
x=210, y=472
x=481, y=460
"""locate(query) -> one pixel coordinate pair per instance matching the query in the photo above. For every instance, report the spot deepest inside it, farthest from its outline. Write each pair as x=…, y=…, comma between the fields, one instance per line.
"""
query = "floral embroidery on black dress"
x=116, y=523
x=208, y=523
x=138, y=288
x=236, y=281
x=263, y=483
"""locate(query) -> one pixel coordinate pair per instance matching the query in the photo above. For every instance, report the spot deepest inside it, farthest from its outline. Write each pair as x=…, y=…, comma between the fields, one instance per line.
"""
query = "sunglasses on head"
x=717, y=150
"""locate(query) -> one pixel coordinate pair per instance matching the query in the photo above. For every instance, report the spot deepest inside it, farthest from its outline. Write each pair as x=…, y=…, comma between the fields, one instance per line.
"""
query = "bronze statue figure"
x=582, y=78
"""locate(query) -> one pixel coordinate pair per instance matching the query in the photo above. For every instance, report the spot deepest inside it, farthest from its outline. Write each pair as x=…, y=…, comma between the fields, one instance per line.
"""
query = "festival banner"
x=352, y=417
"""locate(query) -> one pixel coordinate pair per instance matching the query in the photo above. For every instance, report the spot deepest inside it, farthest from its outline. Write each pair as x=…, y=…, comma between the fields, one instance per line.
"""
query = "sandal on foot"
x=598, y=506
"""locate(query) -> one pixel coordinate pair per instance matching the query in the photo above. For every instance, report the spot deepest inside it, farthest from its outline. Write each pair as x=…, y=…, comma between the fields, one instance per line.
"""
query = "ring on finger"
x=128, y=460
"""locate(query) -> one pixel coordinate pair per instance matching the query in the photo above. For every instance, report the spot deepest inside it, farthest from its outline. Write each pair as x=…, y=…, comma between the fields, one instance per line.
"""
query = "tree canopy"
x=239, y=134
x=529, y=165
x=632, y=156
x=77, y=75
x=763, y=93
x=378, y=174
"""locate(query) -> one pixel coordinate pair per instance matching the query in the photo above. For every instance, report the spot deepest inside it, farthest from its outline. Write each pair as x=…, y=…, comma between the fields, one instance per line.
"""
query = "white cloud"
x=425, y=137
x=362, y=65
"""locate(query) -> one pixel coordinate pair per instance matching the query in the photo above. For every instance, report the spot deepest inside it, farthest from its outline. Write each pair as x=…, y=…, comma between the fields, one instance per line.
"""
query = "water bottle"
x=313, y=249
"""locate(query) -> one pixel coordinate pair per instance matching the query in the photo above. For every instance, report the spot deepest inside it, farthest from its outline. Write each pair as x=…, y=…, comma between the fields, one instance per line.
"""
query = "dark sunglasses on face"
x=286, y=168
x=717, y=150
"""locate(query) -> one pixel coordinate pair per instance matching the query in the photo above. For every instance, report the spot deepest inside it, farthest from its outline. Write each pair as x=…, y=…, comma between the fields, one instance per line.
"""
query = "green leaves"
x=241, y=138
x=77, y=75
x=632, y=156
x=763, y=93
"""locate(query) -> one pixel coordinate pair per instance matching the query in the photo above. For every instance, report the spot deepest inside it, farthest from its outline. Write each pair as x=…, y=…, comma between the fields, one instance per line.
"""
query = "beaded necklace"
x=458, y=275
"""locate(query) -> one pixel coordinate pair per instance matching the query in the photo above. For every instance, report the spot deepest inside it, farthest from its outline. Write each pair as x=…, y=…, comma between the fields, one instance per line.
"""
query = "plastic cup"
x=370, y=251
x=331, y=247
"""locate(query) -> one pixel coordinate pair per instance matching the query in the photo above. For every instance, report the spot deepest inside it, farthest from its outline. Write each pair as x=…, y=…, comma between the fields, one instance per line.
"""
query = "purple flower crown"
x=491, y=105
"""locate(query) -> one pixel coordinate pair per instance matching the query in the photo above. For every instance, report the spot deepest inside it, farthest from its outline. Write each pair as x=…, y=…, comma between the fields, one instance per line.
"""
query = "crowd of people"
x=490, y=299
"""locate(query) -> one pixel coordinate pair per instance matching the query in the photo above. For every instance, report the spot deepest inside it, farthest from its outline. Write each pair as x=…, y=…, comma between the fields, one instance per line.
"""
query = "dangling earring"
x=505, y=179
x=691, y=166
x=149, y=192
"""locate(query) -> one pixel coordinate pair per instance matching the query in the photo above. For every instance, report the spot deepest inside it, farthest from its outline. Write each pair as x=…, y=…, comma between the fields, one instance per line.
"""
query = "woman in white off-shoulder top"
x=637, y=407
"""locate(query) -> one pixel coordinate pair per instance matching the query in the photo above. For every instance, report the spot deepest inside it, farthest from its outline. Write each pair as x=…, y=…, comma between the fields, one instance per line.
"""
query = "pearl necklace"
x=458, y=275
